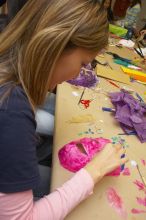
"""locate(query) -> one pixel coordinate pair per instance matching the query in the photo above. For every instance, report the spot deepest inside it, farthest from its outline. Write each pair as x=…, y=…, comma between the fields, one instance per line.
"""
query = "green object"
x=121, y=62
x=119, y=31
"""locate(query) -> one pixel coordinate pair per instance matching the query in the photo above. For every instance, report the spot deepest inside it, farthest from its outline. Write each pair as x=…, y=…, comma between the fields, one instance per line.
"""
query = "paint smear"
x=143, y=162
x=126, y=172
x=116, y=202
x=137, y=211
x=141, y=201
x=139, y=184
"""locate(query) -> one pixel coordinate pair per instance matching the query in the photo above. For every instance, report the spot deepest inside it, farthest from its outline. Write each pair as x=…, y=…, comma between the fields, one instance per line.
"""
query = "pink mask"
x=76, y=154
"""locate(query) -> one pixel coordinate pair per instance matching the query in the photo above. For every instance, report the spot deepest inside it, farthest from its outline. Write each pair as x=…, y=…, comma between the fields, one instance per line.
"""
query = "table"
x=96, y=207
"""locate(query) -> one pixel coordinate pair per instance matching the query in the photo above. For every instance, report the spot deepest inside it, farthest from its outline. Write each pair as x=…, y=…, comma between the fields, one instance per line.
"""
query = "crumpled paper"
x=87, y=78
x=131, y=113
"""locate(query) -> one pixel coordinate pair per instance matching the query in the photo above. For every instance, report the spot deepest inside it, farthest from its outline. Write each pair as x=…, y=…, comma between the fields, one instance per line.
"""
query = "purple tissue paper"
x=131, y=113
x=87, y=78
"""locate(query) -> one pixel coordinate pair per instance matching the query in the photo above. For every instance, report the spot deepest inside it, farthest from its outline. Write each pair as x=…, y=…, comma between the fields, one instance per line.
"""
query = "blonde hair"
x=32, y=43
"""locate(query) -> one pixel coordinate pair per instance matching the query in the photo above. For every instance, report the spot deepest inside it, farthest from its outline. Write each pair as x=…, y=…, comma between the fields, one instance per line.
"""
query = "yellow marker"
x=138, y=75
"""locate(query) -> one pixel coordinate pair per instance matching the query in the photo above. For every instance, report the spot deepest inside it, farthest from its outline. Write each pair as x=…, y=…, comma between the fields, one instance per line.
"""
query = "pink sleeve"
x=54, y=206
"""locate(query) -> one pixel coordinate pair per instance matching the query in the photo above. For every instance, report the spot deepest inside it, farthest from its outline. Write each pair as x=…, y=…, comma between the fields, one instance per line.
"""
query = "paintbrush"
x=114, y=84
x=81, y=96
x=134, y=164
x=138, y=53
x=139, y=97
x=140, y=50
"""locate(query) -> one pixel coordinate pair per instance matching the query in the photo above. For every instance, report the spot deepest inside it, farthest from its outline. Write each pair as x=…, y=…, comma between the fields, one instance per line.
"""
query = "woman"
x=46, y=44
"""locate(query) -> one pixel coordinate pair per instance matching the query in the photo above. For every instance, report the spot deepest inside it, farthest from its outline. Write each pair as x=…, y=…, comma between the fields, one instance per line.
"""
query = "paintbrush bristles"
x=134, y=164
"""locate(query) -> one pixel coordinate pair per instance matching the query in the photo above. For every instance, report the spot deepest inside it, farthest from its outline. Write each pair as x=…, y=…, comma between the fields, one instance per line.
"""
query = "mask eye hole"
x=81, y=148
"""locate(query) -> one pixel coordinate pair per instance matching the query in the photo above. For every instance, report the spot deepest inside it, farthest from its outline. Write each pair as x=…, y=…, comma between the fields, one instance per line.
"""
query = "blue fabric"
x=18, y=161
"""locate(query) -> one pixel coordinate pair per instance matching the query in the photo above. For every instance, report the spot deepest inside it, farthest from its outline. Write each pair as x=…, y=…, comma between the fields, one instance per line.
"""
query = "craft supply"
x=140, y=185
x=116, y=56
x=143, y=83
x=126, y=64
x=139, y=53
x=116, y=202
x=129, y=133
x=121, y=62
x=123, y=165
x=137, y=211
x=87, y=118
x=138, y=75
x=127, y=43
x=141, y=201
x=86, y=103
x=72, y=159
x=75, y=93
x=134, y=164
x=143, y=162
x=118, y=140
x=126, y=172
x=95, y=62
x=81, y=96
x=89, y=132
x=114, y=84
x=112, y=75
x=86, y=78
x=101, y=121
x=135, y=67
x=139, y=97
x=108, y=109
x=117, y=30
x=125, y=88
x=143, y=51
x=130, y=113
x=99, y=131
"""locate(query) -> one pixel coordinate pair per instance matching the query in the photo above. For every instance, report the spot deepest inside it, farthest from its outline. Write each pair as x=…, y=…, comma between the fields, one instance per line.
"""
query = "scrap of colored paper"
x=137, y=211
x=141, y=201
x=119, y=140
x=143, y=162
x=75, y=93
x=88, y=118
x=89, y=131
x=99, y=131
x=139, y=184
x=126, y=172
x=116, y=202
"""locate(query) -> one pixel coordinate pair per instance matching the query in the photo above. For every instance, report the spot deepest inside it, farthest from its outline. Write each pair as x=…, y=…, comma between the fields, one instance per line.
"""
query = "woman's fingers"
x=122, y=151
x=118, y=147
x=124, y=160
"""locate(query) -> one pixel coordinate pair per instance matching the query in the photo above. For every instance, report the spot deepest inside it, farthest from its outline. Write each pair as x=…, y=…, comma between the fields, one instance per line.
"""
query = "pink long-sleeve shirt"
x=55, y=206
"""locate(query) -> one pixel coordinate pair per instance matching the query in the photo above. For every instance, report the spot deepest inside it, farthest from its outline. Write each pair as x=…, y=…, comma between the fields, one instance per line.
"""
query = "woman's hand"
x=106, y=161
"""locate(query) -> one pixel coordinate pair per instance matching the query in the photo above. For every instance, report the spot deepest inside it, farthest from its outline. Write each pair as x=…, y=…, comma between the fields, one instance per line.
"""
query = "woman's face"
x=69, y=64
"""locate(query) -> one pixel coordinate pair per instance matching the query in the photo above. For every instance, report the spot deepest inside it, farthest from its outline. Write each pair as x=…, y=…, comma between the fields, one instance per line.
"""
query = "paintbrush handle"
x=142, y=177
x=81, y=96
x=144, y=180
